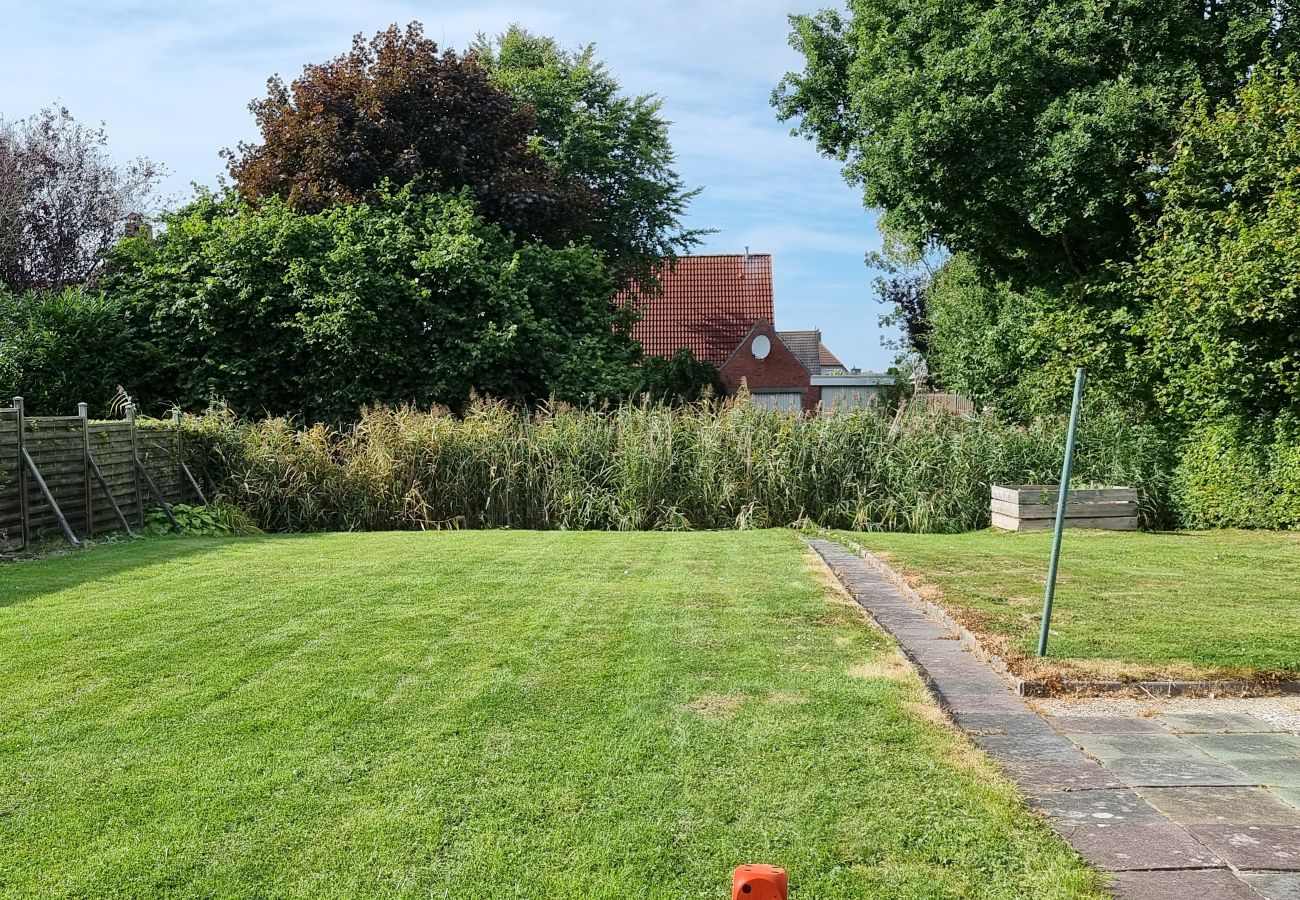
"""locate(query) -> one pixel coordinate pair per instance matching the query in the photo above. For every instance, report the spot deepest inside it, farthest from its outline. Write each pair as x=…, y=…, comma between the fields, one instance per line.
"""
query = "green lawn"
x=479, y=715
x=1127, y=604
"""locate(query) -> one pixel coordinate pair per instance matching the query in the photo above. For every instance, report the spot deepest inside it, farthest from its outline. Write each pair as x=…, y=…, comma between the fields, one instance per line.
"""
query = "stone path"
x=1177, y=806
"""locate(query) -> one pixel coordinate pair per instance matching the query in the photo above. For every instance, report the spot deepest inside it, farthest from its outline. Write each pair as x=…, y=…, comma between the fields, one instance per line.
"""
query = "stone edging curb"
x=1069, y=687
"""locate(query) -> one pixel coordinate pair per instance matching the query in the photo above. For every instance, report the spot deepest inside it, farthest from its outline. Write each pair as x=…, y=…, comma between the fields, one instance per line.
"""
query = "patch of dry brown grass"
x=889, y=664
x=722, y=706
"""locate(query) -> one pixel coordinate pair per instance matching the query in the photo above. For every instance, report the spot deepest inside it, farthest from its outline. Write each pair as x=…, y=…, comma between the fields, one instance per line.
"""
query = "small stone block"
x=1104, y=807
x=1061, y=776
x=1274, y=885
x=1212, y=722
x=964, y=669
x=1025, y=722
x=1107, y=725
x=1028, y=748
x=981, y=701
x=1178, y=773
x=1237, y=745
x=1119, y=848
x=1273, y=848
x=1221, y=805
x=1140, y=746
x=925, y=648
x=1213, y=884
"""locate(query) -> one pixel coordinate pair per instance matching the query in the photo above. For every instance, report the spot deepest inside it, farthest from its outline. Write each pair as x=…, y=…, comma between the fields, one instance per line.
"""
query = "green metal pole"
x=1061, y=495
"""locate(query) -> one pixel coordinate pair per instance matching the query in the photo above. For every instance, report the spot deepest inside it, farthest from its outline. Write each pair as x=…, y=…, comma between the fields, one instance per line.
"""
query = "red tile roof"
x=706, y=303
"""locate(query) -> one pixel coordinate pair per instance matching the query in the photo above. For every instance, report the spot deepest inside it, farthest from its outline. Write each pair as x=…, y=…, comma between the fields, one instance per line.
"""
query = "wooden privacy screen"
x=80, y=474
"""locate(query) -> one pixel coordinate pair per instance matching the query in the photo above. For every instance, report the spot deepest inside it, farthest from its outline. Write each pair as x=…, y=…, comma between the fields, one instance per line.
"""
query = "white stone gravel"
x=1280, y=712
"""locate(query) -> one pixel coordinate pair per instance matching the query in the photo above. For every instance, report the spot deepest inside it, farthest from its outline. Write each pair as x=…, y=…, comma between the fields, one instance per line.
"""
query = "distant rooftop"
x=828, y=359
x=804, y=344
x=808, y=346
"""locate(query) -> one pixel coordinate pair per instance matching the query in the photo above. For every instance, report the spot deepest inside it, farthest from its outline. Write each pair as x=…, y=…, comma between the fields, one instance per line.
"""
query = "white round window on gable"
x=761, y=347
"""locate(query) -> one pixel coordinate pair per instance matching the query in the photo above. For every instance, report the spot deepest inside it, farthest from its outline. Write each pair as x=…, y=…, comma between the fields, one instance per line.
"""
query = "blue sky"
x=172, y=81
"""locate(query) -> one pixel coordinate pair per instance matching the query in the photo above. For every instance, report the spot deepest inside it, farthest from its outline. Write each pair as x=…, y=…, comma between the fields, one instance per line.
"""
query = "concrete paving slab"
x=1140, y=746
x=1228, y=747
x=1118, y=848
x=1025, y=721
x=1061, y=775
x=964, y=668
x=1213, y=884
x=1211, y=722
x=1177, y=772
x=1271, y=848
x=1107, y=725
x=945, y=682
x=1289, y=794
x=1274, y=885
x=1271, y=772
x=1027, y=747
x=967, y=702
x=910, y=634
x=1100, y=807
x=1221, y=805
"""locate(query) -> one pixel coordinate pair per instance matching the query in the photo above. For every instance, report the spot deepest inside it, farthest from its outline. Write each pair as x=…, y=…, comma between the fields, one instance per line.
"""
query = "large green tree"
x=615, y=145
x=1024, y=134
x=409, y=297
x=1219, y=275
x=394, y=108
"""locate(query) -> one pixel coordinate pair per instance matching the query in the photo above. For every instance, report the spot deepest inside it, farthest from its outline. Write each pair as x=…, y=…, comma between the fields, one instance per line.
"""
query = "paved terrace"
x=1178, y=806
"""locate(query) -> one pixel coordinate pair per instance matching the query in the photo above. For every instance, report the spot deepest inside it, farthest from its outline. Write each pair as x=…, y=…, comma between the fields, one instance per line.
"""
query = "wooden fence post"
x=83, y=413
x=135, y=462
x=176, y=451
x=23, y=515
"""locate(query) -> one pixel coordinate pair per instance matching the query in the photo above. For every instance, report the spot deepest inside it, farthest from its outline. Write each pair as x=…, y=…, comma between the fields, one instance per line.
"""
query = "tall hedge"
x=65, y=348
x=648, y=466
x=1233, y=476
x=409, y=298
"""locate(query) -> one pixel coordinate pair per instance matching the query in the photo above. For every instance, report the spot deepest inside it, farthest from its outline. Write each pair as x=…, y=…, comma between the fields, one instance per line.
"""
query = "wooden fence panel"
x=58, y=446
x=54, y=444
x=110, y=445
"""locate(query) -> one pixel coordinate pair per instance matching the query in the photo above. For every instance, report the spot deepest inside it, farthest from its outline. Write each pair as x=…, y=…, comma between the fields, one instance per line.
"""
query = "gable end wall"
x=780, y=370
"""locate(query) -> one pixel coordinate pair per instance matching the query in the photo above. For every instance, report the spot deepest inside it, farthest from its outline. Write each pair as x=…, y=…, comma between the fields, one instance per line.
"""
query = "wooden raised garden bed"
x=1032, y=507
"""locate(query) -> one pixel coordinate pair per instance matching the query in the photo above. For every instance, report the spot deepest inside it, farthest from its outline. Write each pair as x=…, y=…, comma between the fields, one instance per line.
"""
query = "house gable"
x=779, y=371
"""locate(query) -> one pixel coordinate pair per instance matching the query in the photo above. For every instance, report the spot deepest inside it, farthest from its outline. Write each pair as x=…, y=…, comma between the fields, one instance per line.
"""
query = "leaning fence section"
x=80, y=477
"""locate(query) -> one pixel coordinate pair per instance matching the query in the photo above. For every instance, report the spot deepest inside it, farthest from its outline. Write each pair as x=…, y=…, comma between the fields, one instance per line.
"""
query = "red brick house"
x=721, y=309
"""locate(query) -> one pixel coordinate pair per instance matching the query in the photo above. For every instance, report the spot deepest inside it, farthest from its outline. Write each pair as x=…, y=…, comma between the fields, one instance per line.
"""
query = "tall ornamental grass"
x=645, y=466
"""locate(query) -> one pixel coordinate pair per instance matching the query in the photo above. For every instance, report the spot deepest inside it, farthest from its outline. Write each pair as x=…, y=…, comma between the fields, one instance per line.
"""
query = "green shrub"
x=680, y=378
x=212, y=519
x=1231, y=476
x=647, y=466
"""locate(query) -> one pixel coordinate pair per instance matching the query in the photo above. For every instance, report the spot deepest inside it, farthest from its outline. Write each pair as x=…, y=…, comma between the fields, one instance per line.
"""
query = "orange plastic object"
x=759, y=882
